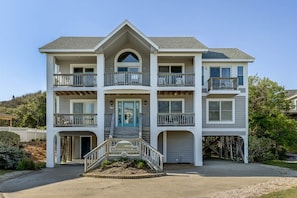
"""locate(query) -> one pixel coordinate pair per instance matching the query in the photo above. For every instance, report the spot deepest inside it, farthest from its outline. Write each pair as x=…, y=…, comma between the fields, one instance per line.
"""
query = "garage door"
x=180, y=147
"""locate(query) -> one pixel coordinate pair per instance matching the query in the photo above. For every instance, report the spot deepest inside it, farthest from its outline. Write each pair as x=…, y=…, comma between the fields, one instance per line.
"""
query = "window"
x=128, y=60
x=170, y=106
x=240, y=75
x=220, y=72
x=220, y=111
x=202, y=72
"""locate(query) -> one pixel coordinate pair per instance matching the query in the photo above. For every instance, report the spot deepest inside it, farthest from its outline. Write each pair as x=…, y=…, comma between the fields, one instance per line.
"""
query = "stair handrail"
x=151, y=155
x=111, y=126
x=95, y=156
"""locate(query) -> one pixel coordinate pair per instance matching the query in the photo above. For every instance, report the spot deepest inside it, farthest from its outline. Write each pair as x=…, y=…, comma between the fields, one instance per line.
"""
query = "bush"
x=9, y=139
x=10, y=157
x=26, y=164
x=105, y=163
x=260, y=149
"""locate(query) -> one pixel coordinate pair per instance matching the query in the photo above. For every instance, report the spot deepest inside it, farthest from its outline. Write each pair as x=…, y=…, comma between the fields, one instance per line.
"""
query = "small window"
x=240, y=75
x=128, y=57
x=202, y=75
x=220, y=111
x=171, y=106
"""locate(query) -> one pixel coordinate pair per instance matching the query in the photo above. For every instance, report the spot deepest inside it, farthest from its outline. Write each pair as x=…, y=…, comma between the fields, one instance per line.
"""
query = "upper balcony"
x=125, y=78
x=176, y=80
x=223, y=86
x=76, y=80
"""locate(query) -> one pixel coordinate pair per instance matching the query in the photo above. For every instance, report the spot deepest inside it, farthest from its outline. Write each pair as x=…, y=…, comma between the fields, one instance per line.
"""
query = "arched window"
x=128, y=60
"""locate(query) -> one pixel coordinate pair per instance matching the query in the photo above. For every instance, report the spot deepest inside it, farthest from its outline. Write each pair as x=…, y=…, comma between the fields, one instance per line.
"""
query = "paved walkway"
x=215, y=176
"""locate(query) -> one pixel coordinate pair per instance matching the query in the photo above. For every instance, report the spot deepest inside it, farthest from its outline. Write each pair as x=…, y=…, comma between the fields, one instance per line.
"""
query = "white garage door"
x=180, y=147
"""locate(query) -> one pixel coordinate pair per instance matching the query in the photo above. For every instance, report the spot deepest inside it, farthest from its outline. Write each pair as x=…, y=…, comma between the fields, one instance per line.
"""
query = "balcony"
x=225, y=86
x=75, y=120
x=175, y=79
x=124, y=78
x=75, y=80
x=176, y=119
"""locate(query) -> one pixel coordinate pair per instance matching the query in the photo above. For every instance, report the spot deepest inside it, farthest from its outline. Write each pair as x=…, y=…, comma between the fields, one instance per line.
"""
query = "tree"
x=267, y=118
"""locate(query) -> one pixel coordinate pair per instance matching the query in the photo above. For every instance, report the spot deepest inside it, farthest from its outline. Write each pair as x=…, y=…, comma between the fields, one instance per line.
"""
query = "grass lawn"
x=292, y=192
x=284, y=164
x=2, y=172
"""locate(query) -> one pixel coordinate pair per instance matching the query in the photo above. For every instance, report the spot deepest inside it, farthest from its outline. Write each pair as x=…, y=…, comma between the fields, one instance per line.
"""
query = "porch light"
x=111, y=103
x=145, y=102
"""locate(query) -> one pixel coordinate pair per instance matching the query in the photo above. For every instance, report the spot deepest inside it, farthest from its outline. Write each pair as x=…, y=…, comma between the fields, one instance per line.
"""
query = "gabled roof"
x=226, y=54
x=160, y=44
x=122, y=26
x=291, y=94
x=72, y=44
x=167, y=43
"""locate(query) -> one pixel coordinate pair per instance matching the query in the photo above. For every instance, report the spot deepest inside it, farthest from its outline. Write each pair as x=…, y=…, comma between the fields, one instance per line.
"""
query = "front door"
x=128, y=113
x=85, y=145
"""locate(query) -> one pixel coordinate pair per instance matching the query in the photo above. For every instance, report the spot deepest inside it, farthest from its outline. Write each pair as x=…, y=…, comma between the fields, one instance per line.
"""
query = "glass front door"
x=128, y=113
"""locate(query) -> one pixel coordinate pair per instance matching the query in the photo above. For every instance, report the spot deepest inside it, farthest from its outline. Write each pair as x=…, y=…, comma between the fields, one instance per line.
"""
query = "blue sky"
x=265, y=29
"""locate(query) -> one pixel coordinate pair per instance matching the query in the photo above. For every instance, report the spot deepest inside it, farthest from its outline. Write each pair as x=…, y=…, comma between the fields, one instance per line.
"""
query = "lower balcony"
x=176, y=119
x=75, y=120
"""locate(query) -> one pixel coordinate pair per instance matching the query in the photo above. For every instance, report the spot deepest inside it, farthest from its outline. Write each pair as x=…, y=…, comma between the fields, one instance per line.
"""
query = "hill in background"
x=29, y=110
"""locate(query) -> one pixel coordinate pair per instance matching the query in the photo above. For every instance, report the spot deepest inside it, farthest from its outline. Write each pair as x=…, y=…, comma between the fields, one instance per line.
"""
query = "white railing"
x=112, y=126
x=113, y=147
x=175, y=79
x=176, y=119
x=95, y=156
x=222, y=84
x=75, y=120
x=75, y=80
x=26, y=134
x=123, y=78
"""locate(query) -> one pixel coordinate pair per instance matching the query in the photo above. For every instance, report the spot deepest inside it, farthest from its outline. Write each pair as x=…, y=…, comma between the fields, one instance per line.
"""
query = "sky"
x=265, y=29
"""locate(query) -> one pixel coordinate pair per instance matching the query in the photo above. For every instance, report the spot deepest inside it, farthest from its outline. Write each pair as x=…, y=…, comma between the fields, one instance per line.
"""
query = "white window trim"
x=172, y=64
x=220, y=122
x=243, y=74
x=174, y=99
x=129, y=65
x=72, y=101
x=117, y=108
x=84, y=66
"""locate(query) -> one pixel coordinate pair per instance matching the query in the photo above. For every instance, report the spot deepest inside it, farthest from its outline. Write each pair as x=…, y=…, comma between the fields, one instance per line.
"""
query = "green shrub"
x=10, y=157
x=26, y=164
x=9, y=138
x=105, y=163
x=260, y=149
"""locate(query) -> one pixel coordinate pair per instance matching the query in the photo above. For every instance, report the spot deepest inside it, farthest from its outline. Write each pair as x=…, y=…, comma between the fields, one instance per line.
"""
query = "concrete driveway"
x=213, y=177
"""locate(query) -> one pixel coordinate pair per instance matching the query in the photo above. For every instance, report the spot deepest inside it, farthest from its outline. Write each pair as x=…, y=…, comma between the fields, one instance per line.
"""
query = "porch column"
x=198, y=158
x=165, y=145
x=50, y=158
x=58, y=148
x=153, y=100
x=100, y=98
x=245, y=149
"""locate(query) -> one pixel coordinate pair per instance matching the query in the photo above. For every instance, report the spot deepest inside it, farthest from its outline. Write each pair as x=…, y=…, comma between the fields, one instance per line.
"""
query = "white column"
x=58, y=148
x=246, y=139
x=50, y=158
x=198, y=159
x=165, y=145
x=153, y=100
x=100, y=98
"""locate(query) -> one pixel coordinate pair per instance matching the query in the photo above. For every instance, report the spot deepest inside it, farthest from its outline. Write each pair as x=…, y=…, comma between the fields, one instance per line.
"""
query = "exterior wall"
x=188, y=101
x=240, y=114
x=233, y=68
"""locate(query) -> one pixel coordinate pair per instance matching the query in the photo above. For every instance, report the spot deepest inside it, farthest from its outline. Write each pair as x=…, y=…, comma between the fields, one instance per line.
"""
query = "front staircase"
x=123, y=147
